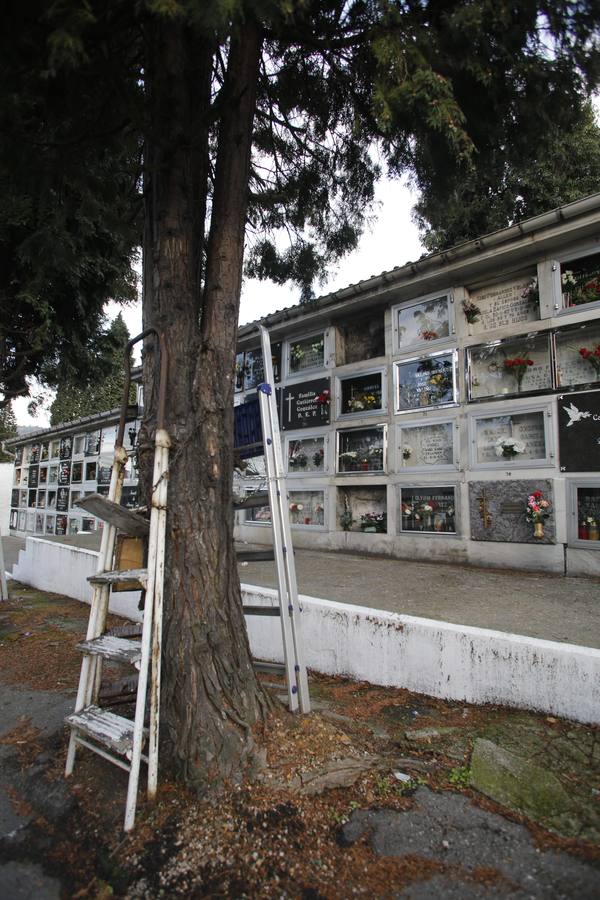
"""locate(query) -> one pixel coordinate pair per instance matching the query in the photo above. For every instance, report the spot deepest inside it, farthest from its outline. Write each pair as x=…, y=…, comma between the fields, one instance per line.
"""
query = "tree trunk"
x=210, y=696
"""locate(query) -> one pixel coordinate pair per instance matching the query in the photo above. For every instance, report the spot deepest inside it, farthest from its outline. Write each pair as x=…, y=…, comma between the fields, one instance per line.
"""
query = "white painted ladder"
x=116, y=738
x=295, y=668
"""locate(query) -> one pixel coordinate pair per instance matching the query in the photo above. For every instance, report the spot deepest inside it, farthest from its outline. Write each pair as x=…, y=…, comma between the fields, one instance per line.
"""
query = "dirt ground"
x=372, y=795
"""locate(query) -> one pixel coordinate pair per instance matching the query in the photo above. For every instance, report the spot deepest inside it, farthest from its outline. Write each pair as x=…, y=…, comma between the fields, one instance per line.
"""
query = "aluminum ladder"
x=117, y=738
x=289, y=607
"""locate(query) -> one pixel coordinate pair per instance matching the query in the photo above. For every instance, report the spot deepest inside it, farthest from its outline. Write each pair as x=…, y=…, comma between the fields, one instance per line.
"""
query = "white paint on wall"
x=6, y=479
x=457, y=662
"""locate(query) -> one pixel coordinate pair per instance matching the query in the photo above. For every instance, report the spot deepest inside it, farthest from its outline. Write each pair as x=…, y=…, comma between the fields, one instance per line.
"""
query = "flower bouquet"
x=537, y=511
x=471, y=311
x=324, y=398
x=517, y=366
x=593, y=357
x=406, y=451
x=532, y=291
x=373, y=522
x=427, y=334
x=509, y=447
x=298, y=460
x=362, y=402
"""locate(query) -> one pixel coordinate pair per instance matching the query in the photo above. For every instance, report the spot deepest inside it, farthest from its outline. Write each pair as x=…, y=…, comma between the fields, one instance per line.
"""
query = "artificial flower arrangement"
x=298, y=460
x=509, y=447
x=532, y=291
x=318, y=457
x=406, y=451
x=537, y=510
x=348, y=455
x=471, y=311
x=297, y=353
x=373, y=522
x=518, y=366
x=324, y=398
x=442, y=382
x=296, y=507
x=582, y=289
x=364, y=401
x=592, y=356
x=427, y=334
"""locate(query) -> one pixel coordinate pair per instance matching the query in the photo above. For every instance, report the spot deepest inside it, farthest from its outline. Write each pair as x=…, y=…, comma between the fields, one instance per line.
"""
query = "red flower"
x=538, y=495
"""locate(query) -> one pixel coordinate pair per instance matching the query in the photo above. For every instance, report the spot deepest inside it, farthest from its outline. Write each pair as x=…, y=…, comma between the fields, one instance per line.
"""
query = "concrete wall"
x=64, y=569
x=455, y=662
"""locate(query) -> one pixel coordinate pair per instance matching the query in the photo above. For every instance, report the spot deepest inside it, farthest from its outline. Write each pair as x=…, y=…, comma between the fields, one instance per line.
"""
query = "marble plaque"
x=497, y=510
x=503, y=304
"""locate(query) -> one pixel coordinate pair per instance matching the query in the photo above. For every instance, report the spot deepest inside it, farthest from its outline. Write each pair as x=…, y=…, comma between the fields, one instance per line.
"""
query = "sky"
x=391, y=240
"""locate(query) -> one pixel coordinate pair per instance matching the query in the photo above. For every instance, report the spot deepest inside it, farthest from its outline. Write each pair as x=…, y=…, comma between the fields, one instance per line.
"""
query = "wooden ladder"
x=117, y=738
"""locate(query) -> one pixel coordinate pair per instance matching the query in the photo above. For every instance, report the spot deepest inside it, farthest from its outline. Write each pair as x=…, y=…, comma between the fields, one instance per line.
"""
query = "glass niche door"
x=426, y=381
x=427, y=446
x=517, y=366
x=578, y=355
x=428, y=510
x=519, y=438
x=305, y=455
x=362, y=450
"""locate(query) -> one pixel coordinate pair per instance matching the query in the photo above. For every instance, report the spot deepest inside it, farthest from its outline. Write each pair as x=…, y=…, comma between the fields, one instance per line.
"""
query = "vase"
x=369, y=528
x=583, y=532
x=593, y=533
x=538, y=530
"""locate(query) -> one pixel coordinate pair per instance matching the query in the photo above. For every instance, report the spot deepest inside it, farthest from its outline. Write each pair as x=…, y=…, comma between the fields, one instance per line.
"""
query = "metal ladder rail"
x=297, y=680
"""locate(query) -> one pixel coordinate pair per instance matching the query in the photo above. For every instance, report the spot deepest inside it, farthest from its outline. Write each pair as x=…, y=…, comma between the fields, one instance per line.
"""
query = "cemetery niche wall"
x=419, y=405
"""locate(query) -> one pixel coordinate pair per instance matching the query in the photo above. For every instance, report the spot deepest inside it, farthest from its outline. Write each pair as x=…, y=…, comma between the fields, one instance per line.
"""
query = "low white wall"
x=64, y=569
x=6, y=479
x=456, y=662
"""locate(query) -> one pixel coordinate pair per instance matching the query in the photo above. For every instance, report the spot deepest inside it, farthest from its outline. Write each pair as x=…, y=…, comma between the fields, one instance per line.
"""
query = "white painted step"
x=122, y=650
x=125, y=520
x=120, y=576
x=104, y=727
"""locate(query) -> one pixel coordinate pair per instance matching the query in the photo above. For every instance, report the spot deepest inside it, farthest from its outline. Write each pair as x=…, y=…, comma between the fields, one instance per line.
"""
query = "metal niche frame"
x=451, y=352
x=384, y=441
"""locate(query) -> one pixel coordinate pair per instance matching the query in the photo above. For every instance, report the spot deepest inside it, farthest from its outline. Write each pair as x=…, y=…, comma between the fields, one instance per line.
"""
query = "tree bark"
x=210, y=696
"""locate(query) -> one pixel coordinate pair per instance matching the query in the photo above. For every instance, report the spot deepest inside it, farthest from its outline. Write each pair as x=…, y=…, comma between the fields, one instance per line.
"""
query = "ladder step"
x=127, y=631
x=120, y=691
x=104, y=727
x=261, y=611
x=270, y=668
x=254, y=555
x=252, y=501
x=124, y=519
x=119, y=576
x=119, y=649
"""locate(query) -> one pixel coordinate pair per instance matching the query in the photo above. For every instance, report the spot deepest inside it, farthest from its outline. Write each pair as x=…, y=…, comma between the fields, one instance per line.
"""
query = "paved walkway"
x=552, y=607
